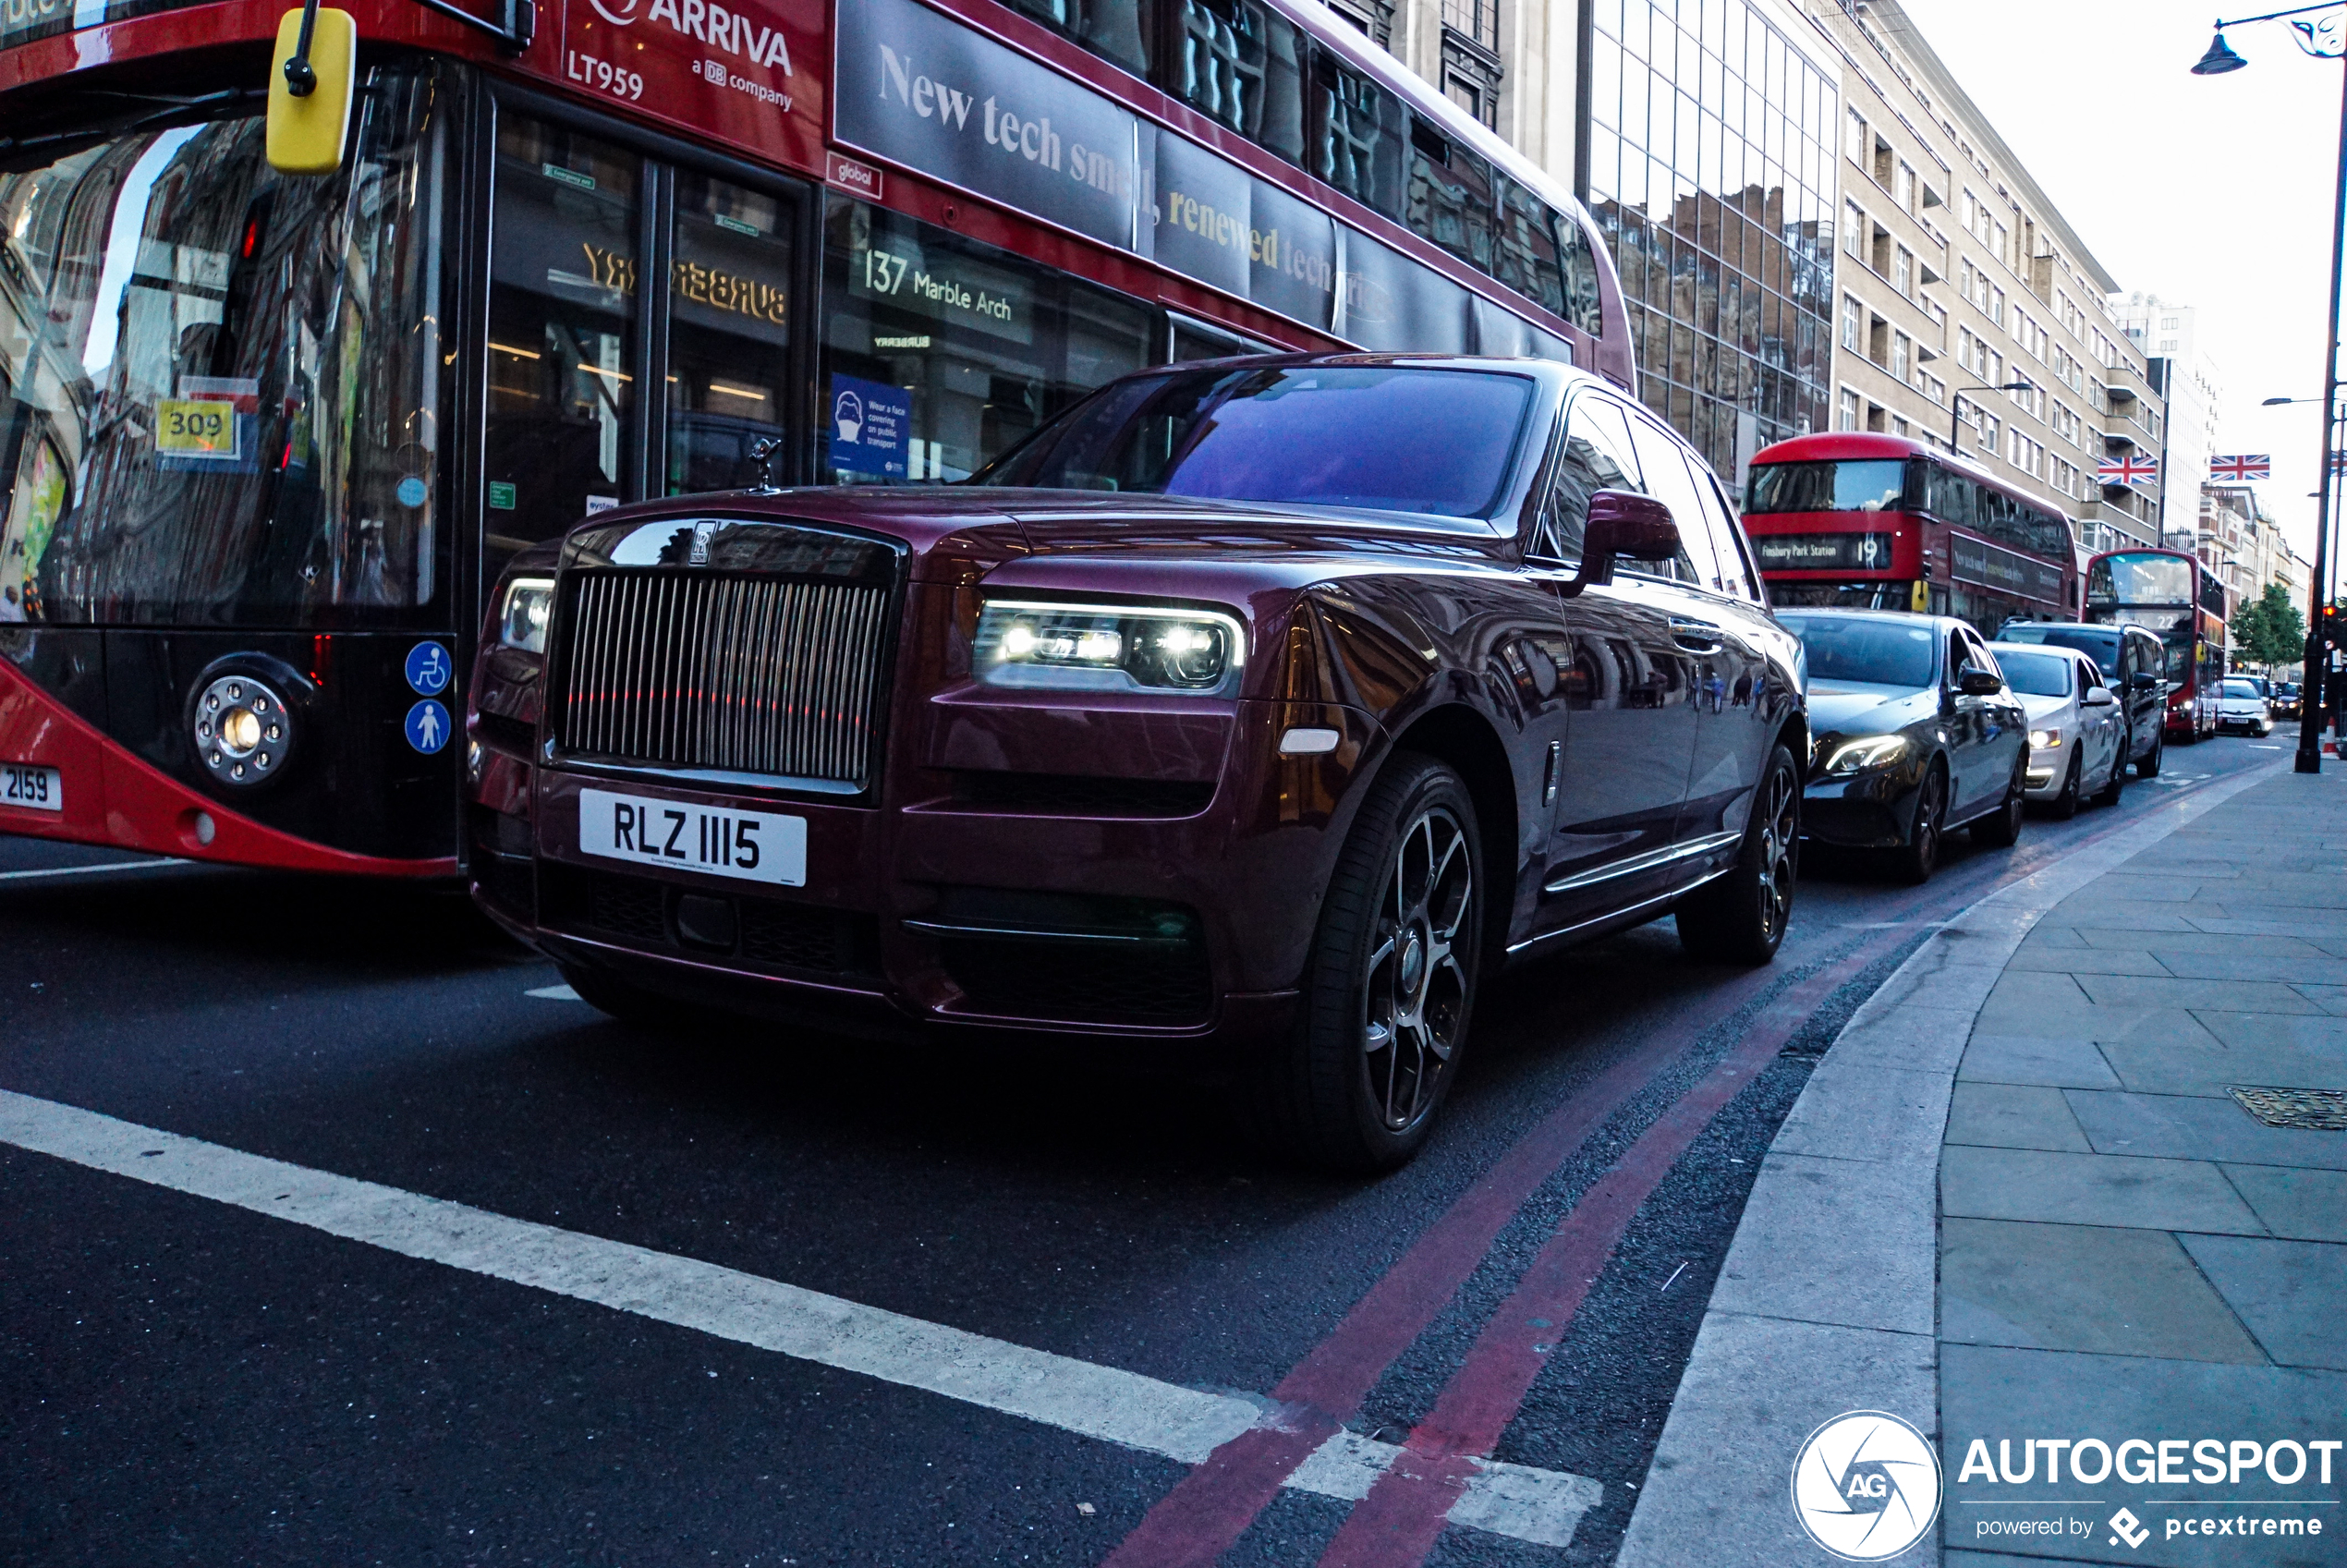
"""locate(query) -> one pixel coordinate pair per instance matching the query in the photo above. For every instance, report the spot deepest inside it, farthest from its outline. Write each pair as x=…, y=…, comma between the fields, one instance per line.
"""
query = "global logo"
x=1865, y=1486
x=619, y=13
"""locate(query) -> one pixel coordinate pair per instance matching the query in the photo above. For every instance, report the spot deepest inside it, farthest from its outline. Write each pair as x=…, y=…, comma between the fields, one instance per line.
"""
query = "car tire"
x=1378, y=1044
x=1741, y=918
x=610, y=995
x=2149, y=767
x=2001, y=828
x=1915, y=860
x=2065, y=804
x=2112, y=787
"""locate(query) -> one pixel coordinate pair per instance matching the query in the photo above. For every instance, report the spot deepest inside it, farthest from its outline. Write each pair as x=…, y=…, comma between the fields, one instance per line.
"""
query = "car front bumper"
x=1865, y=810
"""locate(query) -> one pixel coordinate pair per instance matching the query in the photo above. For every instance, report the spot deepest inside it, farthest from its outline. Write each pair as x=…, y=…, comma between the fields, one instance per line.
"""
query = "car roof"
x=1847, y=612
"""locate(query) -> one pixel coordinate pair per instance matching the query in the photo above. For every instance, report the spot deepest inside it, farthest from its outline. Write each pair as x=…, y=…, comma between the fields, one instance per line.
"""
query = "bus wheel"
x=2065, y=804
x=2109, y=794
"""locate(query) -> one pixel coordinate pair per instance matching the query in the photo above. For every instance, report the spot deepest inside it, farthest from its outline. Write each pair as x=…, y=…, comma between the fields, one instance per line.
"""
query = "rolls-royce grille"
x=738, y=675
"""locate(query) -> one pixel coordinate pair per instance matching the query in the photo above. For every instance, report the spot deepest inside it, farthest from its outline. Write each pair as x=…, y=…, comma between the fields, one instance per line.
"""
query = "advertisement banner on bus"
x=1991, y=568
x=751, y=72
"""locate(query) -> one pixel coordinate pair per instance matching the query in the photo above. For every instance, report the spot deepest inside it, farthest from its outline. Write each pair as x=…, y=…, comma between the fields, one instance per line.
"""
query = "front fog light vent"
x=243, y=730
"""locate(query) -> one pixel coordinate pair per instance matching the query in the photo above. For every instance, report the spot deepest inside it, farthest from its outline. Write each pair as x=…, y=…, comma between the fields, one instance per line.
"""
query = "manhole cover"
x=2323, y=1110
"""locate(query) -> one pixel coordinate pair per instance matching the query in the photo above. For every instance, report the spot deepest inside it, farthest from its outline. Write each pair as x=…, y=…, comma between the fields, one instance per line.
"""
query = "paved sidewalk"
x=2124, y=1249
x=2018, y=1207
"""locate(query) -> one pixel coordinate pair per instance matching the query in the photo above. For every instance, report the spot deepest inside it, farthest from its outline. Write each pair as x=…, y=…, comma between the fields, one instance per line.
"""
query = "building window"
x=1860, y=143
x=1471, y=68
x=1854, y=230
x=1853, y=324
x=1905, y=189
x=1901, y=346
x=1902, y=271
x=1845, y=415
x=2169, y=323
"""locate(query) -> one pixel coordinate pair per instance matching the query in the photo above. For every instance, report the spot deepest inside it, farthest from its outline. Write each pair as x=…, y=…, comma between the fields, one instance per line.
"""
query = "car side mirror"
x=2099, y=697
x=1974, y=681
x=1623, y=523
x=2143, y=681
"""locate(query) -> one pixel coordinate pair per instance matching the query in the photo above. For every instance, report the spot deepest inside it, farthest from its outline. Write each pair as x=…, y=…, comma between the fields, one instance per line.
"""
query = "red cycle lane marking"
x=1209, y=1509
x=1397, y=1525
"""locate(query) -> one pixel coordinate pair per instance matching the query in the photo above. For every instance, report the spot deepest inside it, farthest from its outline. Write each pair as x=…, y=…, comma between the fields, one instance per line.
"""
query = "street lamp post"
x=1955, y=407
x=2219, y=60
x=2318, y=588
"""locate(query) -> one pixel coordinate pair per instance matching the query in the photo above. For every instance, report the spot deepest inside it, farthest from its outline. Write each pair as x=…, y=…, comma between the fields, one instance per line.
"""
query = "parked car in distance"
x=1250, y=713
x=2133, y=662
x=2077, y=731
x=2286, y=700
x=2241, y=706
x=1917, y=734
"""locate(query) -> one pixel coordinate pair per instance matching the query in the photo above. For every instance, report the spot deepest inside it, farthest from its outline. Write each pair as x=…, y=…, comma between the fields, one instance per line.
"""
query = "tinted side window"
x=1450, y=197
x=1736, y=576
x=1242, y=63
x=1597, y=456
x=1668, y=481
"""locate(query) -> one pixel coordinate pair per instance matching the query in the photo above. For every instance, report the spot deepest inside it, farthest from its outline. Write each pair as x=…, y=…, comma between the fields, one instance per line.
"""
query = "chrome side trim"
x=1019, y=933
x=1611, y=917
x=1653, y=859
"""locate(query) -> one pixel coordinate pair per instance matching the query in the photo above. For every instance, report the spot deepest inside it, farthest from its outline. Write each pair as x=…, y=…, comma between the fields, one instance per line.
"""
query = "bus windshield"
x=228, y=411
x=1875, y=652
x=1389, y=439
x=1874, y=484
x=2141, y=580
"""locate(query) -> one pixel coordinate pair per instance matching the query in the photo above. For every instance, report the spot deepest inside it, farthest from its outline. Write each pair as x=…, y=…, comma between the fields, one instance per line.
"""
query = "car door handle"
x=1696, y=637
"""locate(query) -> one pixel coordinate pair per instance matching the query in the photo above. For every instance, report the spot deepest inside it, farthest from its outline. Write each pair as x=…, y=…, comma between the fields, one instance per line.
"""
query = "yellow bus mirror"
x=306, y=129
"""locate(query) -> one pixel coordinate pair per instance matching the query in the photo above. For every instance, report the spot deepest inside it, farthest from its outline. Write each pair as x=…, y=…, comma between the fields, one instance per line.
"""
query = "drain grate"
x=2320, y=1109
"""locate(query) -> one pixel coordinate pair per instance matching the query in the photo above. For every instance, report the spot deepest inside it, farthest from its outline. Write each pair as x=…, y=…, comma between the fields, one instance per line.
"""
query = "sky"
x=2212, y=191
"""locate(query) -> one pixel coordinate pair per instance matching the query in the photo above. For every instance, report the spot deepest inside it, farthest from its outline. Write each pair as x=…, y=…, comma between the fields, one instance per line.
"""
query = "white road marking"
x=553, y=993
x=85, y=870
x=1105, y=1403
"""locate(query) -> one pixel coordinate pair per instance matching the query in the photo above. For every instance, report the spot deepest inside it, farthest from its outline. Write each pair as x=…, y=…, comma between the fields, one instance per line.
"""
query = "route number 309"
x=604, y=75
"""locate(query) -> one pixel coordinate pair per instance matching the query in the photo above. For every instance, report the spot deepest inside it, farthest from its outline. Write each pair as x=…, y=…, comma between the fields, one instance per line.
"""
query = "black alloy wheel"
x=1741, y=918
x=2065, y=804
x=2001, y=828
x=2109, y=792
x=2149, y=767
x=1919, y=856
x=1390, y=982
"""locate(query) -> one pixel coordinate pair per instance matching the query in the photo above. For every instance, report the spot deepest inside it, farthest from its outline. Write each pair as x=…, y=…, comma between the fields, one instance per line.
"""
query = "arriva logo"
x=711, y=23
x=1865, y=1486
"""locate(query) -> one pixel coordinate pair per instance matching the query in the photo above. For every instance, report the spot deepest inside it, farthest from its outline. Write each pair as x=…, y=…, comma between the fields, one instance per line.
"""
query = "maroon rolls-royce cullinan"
x=1266, y=705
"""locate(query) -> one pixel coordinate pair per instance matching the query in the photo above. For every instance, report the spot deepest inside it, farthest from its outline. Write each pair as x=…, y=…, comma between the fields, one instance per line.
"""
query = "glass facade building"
x=1711, y=148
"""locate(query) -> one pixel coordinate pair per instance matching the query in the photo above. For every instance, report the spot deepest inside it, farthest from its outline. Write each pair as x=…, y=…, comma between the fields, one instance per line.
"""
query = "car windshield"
x=2243, y=688
x=1874, y=484
x=2100, y=646
x=1390, y=438
x=1849, y=647
x=2035, y=675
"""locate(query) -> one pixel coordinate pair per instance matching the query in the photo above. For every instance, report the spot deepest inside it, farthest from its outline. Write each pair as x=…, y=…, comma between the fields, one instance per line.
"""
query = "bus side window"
x=1241, y=63
x=1361, y=131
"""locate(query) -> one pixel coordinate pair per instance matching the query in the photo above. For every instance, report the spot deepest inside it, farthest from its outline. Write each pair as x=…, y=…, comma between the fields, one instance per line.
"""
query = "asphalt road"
x=184, y=1379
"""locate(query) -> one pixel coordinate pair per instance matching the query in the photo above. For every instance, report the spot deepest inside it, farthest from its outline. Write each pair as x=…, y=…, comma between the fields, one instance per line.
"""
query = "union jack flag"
x=2129, y=470
x=2240, y=468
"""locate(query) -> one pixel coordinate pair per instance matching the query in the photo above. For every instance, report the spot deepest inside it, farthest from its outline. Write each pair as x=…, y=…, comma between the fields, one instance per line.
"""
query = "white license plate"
x=30, y=788
x=757, y=847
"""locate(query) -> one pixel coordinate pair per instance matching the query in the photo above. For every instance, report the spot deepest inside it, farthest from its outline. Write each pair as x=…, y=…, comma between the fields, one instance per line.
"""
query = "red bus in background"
x=2174, y=595
x=1882, y=522
x=267, y=438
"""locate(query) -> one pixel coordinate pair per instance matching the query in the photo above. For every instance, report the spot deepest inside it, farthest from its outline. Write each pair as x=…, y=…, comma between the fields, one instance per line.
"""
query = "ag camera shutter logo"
x=1865, y=1486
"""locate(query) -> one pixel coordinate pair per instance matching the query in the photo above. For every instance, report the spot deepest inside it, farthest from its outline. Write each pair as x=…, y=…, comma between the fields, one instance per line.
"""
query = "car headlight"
x=1033, y=643
x=521, y=619
x=1874, y=751
x=2044, y=740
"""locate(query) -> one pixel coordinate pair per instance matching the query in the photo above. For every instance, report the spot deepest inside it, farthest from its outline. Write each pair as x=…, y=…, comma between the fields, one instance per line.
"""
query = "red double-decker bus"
x=267, y=434
x=1883, y=522
x=2173, y=595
